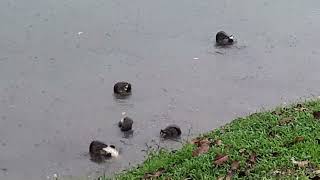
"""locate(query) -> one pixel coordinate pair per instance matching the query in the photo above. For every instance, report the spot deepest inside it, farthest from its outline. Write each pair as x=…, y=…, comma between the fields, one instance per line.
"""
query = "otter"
x=100, y=151
x=125, y=124
x=171, y=131
x=122, y=88
x=223, y=39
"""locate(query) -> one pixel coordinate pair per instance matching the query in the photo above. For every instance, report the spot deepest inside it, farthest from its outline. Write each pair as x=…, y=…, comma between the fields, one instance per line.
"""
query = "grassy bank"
x=279, y=144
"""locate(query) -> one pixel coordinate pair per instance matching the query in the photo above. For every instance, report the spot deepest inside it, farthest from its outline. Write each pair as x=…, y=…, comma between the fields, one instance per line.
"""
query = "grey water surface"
x=59, y=60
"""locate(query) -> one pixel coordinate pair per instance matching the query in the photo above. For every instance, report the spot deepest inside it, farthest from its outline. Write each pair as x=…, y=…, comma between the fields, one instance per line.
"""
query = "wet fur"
x=172, y=131
x=98, y=153
x=223, y=39
x=126, y=124
x=122, y=88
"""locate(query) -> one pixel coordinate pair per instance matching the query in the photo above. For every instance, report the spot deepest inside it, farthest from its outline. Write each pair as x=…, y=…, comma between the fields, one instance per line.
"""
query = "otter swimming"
x=122, y=88
x=125, y=124
x=100, y=151
x=223, y=39
x=171, y=131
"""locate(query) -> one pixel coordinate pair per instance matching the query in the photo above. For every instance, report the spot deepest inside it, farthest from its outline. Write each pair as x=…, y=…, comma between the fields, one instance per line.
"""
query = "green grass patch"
x=278, y=144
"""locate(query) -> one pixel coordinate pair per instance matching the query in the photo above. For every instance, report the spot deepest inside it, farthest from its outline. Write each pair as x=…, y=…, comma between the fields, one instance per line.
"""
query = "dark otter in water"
x=122, y=88
x=172, y=131
x=99, y=151
x=125, y=124
x=223, y=39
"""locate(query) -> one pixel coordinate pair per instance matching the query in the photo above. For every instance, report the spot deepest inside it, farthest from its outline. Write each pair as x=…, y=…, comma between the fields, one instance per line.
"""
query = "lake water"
x=60, y=59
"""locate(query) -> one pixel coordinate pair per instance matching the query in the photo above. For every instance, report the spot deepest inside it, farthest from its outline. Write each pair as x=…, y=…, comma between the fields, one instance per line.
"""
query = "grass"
x=262, y=143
